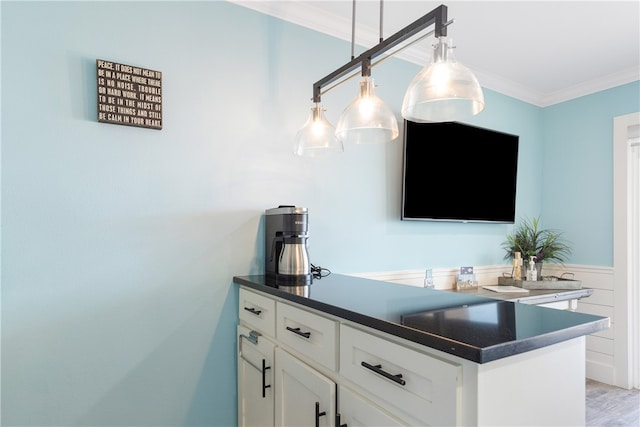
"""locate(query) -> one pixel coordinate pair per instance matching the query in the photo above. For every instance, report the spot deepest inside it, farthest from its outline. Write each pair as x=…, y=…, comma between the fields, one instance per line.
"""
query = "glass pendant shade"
x=317, y=136
x=367, y=118
x=445, y=90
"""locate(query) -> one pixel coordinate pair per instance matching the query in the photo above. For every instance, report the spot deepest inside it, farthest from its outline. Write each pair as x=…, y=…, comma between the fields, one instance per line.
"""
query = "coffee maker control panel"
x=286, y=220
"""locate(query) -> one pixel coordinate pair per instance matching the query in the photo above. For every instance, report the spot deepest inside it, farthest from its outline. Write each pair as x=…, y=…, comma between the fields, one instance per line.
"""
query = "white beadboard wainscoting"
x=600, y=359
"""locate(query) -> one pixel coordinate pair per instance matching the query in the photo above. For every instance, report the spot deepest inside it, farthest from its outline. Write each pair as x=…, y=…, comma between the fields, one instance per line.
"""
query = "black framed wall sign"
x=129, y=95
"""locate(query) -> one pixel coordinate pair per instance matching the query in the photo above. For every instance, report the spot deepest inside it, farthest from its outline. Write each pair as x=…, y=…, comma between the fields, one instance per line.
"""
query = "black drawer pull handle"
x=253, y=310
x=319, y=414
x=299, y=332
x=264, y=378
x=378, y=370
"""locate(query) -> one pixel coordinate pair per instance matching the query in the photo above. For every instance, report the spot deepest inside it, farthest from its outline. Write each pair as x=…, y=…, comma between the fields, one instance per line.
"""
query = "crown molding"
x=309, y=16
x=586, y=88
x=302, y=13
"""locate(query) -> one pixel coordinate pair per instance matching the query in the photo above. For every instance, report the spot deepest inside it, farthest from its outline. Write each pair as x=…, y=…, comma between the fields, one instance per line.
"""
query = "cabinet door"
x=255, y=379
x=355, y=410
x=304, y=397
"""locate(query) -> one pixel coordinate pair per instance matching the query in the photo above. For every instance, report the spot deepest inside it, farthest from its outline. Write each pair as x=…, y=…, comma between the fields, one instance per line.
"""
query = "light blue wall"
x=119, y=244
x=577, y=173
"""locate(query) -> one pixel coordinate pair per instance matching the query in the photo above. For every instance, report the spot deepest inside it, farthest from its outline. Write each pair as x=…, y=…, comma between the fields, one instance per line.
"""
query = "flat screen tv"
x=458, y=172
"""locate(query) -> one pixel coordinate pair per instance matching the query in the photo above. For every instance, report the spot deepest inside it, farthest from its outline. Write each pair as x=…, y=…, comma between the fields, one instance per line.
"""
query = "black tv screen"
x=458, y=172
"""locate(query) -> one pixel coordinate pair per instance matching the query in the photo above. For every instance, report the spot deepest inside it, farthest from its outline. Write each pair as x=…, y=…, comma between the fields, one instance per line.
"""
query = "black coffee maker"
x=286, y=256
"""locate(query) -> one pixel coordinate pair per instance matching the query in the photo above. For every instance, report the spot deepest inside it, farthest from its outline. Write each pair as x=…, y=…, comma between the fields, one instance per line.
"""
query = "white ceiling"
x=541, y=52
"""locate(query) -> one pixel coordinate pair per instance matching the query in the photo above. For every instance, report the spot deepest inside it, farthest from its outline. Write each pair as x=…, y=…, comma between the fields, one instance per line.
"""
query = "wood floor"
x=612, y=406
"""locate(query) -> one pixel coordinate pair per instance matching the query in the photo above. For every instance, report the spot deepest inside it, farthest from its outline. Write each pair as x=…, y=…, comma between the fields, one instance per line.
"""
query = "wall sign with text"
x=129, y=95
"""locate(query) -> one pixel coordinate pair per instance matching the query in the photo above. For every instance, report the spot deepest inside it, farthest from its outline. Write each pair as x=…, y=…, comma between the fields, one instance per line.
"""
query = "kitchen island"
x=465, y=359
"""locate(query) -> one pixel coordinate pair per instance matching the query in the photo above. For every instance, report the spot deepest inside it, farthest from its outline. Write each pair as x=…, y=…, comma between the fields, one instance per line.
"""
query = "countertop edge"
x=437, y=342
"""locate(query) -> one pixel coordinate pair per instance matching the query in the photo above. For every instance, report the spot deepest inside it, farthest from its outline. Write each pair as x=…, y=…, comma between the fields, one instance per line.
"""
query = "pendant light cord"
x=381, y=16
x=353, y=29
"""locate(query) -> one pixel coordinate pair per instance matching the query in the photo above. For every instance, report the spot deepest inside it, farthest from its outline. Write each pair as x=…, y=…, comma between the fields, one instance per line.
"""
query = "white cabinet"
x=355, y=410
x=276, y=387
x=305, y=397
x=419, y=387
x=255, y=379
x=330, y=370
x=300, y=367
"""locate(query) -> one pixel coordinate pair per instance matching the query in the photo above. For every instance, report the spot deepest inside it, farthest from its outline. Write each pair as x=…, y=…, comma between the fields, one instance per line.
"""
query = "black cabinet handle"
x=264, y=378
x=253, y=310
x=299, y=332
x=319, y=414
x=378, y=370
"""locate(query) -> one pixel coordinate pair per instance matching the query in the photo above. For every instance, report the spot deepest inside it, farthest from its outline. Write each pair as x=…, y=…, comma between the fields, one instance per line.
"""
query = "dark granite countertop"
x=466, y=325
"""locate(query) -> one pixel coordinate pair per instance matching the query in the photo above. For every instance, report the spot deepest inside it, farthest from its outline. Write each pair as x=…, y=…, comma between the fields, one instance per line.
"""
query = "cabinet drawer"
x=308, y=333
x=257, y=311
x=424, y=387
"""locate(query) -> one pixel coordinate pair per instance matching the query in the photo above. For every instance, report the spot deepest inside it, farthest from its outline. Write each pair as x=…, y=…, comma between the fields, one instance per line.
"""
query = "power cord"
x=319, y=272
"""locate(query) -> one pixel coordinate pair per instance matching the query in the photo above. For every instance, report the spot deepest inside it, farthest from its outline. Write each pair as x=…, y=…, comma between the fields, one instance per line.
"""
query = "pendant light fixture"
x=317, y=136
x=445, y=90
x=367, y=118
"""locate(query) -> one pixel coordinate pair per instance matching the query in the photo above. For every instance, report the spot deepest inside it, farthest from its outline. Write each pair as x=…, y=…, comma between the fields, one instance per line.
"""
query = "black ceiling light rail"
x=437, y=16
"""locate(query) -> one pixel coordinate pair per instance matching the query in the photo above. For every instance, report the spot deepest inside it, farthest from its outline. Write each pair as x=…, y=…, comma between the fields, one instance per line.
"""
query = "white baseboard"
x=599, y=370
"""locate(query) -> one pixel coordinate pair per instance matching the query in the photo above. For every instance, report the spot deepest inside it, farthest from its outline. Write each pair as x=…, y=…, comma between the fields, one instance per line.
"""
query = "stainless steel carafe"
x=294, y=258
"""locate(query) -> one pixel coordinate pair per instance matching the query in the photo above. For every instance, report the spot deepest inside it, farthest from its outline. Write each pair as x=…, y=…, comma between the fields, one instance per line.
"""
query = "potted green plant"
x=545, y=245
